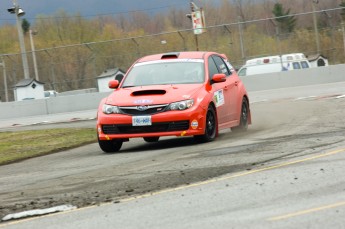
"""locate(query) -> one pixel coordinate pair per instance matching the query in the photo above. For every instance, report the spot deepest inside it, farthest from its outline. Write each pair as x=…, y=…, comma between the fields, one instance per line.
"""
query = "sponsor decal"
x=218, y=97
x=194, y=124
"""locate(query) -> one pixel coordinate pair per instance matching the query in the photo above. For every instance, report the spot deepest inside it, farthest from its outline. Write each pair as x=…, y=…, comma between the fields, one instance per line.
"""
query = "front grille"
x=147, y=110
x=155, y=127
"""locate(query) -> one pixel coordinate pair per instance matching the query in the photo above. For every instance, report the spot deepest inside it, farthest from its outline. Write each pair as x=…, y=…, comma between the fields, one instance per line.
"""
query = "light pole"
x=34, y=53
x=314, y=2
x=18, y=12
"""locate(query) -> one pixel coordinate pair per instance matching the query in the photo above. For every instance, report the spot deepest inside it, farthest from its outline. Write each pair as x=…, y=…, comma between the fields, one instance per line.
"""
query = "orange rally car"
x=173, y=94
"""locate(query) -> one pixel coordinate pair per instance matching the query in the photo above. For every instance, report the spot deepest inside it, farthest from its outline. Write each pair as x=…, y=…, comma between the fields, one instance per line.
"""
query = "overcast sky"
x=88, y=8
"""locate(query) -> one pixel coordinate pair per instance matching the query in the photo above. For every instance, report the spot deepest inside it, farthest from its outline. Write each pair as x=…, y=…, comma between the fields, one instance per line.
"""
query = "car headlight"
x=182, y=105
x=109, y=109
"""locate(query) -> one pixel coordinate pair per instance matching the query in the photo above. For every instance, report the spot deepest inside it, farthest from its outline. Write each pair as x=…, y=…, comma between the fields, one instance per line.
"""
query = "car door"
x=229, y=90
x=224, y=93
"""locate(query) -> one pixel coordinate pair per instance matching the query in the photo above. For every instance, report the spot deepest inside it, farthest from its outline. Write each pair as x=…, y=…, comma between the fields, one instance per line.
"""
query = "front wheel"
x=243, y=126
x=110, y=146
x=210, y=127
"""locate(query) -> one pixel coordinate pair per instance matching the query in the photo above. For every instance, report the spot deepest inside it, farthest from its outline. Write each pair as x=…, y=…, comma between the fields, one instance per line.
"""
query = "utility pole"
x=195, y=36
x=329, y=20
x=314, y=2
x=198, y=21
x=34, y=53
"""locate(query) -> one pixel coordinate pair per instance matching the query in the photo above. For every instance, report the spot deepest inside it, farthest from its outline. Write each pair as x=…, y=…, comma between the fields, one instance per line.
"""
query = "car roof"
x=175, y=55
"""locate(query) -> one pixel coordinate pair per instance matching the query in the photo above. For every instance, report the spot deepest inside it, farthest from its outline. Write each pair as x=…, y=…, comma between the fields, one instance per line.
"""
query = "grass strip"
x=20, y=145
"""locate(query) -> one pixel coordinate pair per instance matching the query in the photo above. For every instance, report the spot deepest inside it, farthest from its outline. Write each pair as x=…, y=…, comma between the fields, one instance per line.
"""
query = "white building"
x=317, y=60
x=28, y=89
x=106, y=76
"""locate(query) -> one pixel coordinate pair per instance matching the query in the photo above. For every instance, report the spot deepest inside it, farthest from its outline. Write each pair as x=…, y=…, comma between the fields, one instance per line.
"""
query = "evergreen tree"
x=286, y=23
x=25, y=26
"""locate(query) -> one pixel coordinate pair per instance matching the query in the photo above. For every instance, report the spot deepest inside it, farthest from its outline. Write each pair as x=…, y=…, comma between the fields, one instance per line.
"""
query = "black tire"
x=151, y=139
x=110, y=146
x=243, y=126
x=210, y=127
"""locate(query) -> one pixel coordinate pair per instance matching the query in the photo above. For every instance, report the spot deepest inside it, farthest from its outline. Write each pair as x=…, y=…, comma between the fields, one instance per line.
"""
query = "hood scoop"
x=148, y=92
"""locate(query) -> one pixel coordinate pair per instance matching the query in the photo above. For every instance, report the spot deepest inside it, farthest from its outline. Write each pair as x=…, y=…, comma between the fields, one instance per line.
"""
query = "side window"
x=304, y=64
x=296, y=65
x=221, y=65
x=212, y=68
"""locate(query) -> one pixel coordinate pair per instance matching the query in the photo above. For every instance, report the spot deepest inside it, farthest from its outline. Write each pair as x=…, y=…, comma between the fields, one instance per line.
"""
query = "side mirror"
x=218, y=78
x=113, y=84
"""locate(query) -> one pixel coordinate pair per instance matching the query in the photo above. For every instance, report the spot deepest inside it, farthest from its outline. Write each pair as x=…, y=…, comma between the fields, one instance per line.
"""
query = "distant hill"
x=89, y=8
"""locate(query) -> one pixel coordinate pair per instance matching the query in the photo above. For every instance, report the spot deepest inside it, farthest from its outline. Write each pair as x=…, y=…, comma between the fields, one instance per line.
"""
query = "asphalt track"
x=285, y=172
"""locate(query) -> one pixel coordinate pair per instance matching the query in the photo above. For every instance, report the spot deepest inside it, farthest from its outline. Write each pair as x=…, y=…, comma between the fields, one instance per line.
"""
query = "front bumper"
x=171, y=123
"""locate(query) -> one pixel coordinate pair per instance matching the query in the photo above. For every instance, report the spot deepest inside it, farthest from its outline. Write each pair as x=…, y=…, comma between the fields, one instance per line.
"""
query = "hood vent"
x=171, y=55
x=149, y=92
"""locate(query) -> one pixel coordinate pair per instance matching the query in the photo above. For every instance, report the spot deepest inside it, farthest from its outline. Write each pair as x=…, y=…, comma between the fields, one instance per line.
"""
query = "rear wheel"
x=151, y=139
x=110, y=146
x=243, y=126
x=210, y=127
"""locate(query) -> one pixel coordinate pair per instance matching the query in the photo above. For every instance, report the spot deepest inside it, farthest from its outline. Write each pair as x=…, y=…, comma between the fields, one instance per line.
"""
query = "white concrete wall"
x=52, y=105
x=89, y=101
x=319, y=75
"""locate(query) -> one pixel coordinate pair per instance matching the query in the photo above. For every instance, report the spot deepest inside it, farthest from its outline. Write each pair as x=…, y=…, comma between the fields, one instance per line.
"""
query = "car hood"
x=156, y=94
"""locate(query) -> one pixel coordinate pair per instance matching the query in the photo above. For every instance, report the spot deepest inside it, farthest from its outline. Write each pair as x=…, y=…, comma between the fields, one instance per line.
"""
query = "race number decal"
x=218, y=98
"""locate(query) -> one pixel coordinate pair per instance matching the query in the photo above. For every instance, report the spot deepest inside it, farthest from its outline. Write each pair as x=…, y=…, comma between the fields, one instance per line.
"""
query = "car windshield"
x=167, y=72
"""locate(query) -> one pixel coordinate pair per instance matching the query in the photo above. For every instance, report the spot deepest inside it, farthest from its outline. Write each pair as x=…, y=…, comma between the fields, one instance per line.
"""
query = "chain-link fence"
x=77, y=66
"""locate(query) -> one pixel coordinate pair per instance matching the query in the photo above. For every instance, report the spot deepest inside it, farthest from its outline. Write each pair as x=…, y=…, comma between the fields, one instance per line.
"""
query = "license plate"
x=141, y=121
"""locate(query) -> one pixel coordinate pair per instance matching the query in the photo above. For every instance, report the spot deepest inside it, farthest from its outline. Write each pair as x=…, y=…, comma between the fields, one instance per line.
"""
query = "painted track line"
x=322, y=155
x=307, y=211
